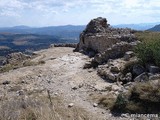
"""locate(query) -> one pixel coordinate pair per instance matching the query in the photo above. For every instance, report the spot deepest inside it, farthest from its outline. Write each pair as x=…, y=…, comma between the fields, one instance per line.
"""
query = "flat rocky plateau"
x=62, y=75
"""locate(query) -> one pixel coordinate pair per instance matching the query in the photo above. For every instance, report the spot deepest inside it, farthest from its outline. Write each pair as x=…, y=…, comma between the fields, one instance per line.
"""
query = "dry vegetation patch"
x=106, y=101
x=142, y=98
x=8, y=67
x=40, y=107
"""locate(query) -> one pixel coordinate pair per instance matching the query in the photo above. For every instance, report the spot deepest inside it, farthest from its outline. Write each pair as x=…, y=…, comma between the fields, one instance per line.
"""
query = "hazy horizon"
x=40, y=13
x=154, y=23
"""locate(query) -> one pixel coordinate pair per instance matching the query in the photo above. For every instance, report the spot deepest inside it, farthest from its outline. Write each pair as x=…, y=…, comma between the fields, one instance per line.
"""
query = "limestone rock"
x=128, y=77
x=6, y=82
x=95, y=105
x=20, y=92
x=87, y=65
x=142, y=77
x=116, y=88
x=153, y=69
x=154, y=77
x=71, y=105
x=128, y=55
x=137, y=69
x=98, y=36
x=96, y=25
x=111, y=77
x=118, y=70
x=115, y=69
x=115, y=51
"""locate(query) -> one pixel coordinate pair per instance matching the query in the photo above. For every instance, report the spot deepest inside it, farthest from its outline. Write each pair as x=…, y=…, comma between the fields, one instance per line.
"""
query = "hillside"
x=155, y=28
x=10, y=42
x=68, y=31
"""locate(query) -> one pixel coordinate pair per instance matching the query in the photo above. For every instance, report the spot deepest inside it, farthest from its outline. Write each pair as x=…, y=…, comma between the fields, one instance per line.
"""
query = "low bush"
x=148, y=50
x=120, y=103
x=142, y=98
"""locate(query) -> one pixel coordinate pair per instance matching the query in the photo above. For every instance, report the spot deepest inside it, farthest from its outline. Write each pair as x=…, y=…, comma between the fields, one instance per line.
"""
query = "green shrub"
x=120, y=103
x=148, y=51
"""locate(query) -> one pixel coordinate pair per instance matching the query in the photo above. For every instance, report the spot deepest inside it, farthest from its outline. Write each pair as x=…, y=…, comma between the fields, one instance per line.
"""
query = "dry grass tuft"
x=8, y=67
x=142, y=98
x=107, y=101
x=39, y=107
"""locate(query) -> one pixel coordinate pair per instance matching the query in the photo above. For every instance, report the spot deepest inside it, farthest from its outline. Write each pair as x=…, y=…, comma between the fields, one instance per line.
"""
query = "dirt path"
x=63, y=74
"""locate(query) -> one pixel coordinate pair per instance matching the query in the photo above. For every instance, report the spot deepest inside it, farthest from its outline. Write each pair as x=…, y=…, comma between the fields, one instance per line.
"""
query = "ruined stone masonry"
x=108, y=42
x=99, y=36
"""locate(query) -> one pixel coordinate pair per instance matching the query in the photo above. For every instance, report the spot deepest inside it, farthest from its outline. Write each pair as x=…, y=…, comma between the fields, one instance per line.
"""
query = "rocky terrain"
x=63, y=75
x=112, y=51
x=86, y=84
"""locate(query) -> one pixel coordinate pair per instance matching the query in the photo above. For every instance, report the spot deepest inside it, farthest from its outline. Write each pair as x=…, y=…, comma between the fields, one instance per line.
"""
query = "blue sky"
x=77, y=12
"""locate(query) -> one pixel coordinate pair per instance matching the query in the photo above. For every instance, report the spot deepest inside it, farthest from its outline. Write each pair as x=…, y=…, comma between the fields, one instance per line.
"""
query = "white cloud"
x=9, y=13
x=132, y=10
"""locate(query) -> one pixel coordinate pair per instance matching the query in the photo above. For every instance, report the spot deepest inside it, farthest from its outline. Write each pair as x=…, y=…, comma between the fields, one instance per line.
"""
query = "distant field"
x=4, y=48
x=28, y=42
x=148, y=36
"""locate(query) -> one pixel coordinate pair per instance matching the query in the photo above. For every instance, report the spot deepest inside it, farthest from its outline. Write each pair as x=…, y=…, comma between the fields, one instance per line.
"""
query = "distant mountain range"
x=156, y=28
x=68, y=31
x=141, y=26
x=22, y=38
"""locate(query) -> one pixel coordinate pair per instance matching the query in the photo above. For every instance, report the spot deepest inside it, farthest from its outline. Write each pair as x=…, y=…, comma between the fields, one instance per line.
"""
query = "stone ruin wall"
x=98, y=43
x=99, y=36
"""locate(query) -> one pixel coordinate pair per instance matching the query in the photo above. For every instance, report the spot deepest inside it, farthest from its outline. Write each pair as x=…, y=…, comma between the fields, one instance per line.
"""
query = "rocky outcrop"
x=124, y=71
x=15, y=58
x=118, y=70
x=99, y=36
x=112, y=53
x=115, y=51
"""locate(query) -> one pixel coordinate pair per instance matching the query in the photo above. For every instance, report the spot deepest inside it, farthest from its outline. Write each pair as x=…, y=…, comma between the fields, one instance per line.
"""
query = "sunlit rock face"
x=99, y=36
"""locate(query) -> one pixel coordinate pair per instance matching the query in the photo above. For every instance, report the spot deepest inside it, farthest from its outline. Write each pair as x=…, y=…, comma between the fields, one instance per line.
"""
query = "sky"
x=40, y=13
